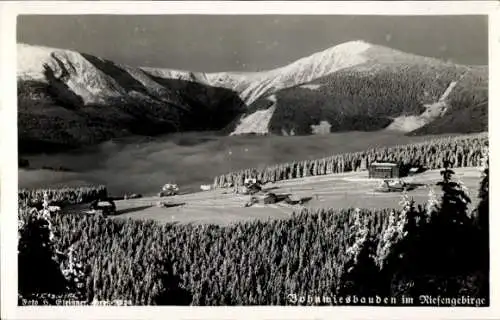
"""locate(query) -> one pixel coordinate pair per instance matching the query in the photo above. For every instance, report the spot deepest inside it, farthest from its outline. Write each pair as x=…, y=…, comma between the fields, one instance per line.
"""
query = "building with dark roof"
x=384, y=170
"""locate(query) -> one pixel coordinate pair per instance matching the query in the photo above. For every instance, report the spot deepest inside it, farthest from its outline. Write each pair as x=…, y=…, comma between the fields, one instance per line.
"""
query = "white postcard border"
x=8, y=194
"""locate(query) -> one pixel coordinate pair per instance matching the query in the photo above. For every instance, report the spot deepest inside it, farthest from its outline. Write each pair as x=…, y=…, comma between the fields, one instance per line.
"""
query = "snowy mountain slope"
x=258, y=121
x=391, y=90
x=252, y=85
x=81, y=77
x=301, y=71
x=361, y=54
x=68, y=99
x=433, y=111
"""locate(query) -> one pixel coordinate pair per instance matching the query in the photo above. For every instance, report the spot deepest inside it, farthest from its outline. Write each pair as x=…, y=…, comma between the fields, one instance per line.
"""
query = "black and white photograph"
x=253, y=160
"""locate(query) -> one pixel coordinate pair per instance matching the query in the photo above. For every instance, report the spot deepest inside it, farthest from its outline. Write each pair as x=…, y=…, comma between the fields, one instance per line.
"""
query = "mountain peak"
x=353, y=44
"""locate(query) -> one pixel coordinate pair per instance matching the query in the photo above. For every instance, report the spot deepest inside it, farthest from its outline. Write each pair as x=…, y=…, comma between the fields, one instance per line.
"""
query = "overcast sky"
x=251, y=43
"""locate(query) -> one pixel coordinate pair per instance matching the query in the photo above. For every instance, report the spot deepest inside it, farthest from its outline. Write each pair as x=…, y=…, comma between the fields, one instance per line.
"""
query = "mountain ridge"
x=114, y=99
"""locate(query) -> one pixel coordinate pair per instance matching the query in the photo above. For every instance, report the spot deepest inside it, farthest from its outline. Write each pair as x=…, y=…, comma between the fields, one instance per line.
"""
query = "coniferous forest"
x=461, y=151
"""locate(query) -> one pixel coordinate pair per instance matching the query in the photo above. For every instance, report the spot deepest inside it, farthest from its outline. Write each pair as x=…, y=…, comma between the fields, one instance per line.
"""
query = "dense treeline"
x=254, y=263
x=248, y=263
x=356, y=101
x=63, y=196
x=463, y=151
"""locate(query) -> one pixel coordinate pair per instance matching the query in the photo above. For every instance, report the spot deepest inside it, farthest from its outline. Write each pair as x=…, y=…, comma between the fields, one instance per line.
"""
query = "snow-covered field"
x=339, y=191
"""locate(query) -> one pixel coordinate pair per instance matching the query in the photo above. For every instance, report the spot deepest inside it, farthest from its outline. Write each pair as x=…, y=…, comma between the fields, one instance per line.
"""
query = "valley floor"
x=352, y=189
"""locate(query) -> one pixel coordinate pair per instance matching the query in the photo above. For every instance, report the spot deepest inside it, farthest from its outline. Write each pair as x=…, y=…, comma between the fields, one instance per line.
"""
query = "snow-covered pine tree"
x=360, y=272
x=455, y=201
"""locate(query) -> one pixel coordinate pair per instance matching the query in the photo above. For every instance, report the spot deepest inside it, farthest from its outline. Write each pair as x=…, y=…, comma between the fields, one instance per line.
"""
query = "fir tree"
x=38, y=271
x=360, y=271
x=455, y=199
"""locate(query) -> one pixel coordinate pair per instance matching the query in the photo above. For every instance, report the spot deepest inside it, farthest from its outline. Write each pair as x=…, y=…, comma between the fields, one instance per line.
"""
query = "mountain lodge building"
x=384, y=170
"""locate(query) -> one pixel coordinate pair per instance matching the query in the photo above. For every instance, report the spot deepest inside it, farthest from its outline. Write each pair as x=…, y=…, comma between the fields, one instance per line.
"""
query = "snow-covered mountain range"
x=68, y=98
